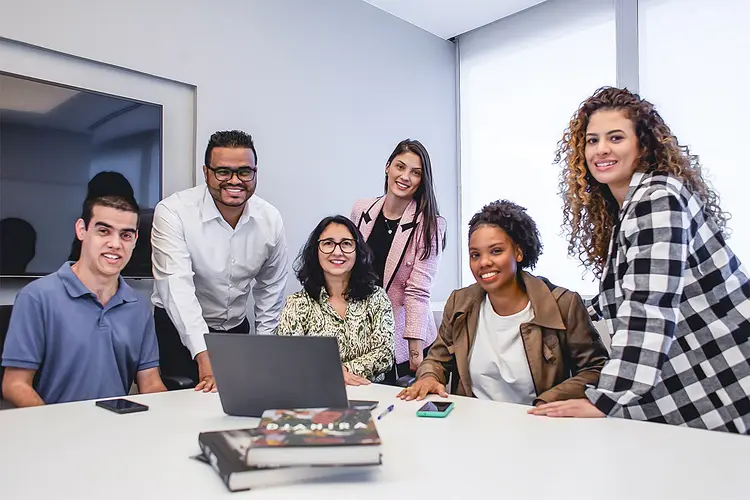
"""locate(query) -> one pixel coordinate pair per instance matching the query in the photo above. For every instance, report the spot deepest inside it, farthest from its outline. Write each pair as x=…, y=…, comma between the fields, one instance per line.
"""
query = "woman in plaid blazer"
x=676, y=299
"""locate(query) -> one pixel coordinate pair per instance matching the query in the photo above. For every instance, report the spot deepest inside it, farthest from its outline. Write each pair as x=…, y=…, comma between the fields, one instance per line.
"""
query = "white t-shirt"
x=498, y=365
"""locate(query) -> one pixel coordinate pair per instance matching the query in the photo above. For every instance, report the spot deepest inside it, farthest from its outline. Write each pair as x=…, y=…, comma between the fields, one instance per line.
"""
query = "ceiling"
x=49, y=106
x=449, y=18
x=17, y=94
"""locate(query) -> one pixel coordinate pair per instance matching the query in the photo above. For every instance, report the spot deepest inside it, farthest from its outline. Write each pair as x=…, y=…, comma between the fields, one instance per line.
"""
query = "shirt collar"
x=75, y=287
x=546, y=310
x=209, y=211
x=635, y=181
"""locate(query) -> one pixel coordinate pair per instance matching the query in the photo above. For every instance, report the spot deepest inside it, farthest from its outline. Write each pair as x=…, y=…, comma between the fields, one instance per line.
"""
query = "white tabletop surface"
x=482, y=450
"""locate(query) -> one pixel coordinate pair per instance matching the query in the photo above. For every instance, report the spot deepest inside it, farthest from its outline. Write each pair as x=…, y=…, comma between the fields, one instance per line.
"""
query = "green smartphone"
x=435, y=409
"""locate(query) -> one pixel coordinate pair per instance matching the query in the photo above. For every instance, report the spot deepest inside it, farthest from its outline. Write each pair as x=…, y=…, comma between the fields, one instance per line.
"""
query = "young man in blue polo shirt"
x=87, y=333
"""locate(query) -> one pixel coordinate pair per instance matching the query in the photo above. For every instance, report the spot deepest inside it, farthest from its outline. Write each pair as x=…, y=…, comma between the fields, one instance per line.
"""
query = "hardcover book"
x=225, y=451
x=315, y=436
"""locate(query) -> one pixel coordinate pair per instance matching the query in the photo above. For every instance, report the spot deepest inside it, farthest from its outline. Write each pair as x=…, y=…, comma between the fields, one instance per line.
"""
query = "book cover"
x=225, y=452
x=315, y=427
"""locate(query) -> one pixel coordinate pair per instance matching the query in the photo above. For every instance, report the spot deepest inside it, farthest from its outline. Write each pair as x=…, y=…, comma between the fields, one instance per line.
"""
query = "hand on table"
x=581, y=408
x=421, y=388
x=206, y=382
x=352, y=379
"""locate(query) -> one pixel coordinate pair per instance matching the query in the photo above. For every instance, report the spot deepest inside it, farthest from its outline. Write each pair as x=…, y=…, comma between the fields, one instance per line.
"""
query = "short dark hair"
x=310, y=274
x=109, y=183
x=514, y=220
x=122, y=203
x=229, y=139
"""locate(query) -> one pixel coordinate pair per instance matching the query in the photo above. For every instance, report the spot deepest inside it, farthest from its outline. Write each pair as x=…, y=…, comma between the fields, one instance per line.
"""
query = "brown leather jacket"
x=564, y=350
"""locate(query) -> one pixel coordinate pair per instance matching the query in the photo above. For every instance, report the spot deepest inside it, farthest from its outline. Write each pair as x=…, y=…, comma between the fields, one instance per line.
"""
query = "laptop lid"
x=255, y=373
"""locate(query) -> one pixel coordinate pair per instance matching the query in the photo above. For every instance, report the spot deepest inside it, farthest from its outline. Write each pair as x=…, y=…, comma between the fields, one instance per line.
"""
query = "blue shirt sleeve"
x=25, y=340
x=149, y=347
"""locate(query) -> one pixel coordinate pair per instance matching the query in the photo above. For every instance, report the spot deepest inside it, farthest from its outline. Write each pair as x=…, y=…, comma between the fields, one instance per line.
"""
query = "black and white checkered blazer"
x=677, y=302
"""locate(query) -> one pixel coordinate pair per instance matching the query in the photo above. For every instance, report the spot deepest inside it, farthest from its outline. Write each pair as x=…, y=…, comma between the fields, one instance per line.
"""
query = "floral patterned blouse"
x=365, y=334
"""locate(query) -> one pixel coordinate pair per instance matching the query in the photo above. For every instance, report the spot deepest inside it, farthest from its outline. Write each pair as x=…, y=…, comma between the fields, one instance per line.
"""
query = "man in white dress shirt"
x=212, y=245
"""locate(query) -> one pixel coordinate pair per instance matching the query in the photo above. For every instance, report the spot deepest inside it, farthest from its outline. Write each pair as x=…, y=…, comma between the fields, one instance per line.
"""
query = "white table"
x=482, y=450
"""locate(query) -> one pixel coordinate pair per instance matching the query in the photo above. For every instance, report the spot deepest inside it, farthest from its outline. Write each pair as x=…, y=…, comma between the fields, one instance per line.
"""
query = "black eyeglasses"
x=245, y=174
x=346, y=245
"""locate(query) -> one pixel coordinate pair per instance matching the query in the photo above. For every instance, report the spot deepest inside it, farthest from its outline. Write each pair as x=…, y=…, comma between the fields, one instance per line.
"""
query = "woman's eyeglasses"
x=346, y=245
x=244, y=174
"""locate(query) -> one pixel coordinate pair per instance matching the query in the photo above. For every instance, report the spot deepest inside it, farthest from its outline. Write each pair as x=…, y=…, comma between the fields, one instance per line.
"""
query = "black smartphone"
x=121, y=406
x=359, y=404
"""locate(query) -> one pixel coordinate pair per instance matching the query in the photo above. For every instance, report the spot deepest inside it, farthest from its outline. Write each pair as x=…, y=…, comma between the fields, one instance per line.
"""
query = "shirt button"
x=233, y=261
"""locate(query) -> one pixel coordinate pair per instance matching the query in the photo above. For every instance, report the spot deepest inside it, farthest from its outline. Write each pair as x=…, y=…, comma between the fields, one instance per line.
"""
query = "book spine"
x=214, y=461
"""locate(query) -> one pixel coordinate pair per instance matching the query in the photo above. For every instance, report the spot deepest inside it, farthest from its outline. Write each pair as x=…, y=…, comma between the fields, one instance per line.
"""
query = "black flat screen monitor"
x=54, y=140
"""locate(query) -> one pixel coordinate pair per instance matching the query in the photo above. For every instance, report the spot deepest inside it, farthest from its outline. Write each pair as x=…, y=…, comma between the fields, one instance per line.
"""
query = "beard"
x=222, y=196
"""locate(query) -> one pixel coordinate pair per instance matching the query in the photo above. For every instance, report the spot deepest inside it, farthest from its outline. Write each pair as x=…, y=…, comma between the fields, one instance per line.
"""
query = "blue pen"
x=385, y=412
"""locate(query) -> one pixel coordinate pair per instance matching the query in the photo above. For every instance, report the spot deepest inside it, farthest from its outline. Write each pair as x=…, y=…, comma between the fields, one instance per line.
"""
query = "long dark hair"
x=425, y=196
x=362, y=279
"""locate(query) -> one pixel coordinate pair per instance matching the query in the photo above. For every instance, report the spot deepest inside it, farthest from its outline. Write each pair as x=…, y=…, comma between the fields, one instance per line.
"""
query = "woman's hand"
x=581, y=408
x=416, y=354
x=423, y=387
x=415, y=359
x=352, y=379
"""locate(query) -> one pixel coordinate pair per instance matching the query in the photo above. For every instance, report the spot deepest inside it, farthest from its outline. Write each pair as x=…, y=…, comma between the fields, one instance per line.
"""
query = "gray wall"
x=327, y=88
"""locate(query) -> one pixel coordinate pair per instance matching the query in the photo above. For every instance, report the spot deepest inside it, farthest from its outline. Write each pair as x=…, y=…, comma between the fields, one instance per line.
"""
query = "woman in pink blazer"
x=406, y=234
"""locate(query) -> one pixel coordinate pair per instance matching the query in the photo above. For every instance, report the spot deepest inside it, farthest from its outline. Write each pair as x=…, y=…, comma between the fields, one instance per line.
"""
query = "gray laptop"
x=255, y=373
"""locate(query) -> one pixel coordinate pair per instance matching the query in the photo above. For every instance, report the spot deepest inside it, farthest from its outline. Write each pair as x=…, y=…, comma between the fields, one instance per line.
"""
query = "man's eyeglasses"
x=346, y=245
x=245, y=174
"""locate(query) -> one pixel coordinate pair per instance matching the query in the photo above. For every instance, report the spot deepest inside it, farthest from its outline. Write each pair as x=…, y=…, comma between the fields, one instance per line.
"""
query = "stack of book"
x=292, y=446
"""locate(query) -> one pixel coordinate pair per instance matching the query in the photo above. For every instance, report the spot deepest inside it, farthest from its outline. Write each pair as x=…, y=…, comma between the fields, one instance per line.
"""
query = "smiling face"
x=404, y=175
x=342, y=246
x=232, y=192
x=493, y=258
x=612, y=150
x=107, y=244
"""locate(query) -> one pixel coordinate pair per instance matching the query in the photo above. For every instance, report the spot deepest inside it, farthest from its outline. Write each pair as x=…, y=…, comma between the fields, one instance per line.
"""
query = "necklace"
x=388, y=226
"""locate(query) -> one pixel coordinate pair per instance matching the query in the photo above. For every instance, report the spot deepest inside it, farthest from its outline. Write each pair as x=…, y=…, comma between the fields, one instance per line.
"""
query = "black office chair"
x=170, y=354
x=177, y=382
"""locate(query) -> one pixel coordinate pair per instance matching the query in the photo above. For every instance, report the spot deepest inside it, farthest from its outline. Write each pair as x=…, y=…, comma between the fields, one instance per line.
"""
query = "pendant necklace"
x=388, y=226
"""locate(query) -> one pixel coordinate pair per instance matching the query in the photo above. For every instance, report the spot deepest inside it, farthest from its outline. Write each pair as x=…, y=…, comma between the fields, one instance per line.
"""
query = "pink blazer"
x=407, y=279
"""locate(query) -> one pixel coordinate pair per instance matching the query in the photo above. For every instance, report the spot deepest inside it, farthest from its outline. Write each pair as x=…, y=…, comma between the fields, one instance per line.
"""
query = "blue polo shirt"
x=82, y=350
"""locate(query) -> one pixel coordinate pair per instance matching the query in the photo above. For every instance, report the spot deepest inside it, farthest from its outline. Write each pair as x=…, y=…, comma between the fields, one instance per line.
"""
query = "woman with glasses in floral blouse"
x=340, y=298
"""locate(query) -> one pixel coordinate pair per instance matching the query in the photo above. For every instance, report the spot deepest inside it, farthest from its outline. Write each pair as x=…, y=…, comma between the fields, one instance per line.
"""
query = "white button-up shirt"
x=204, y=269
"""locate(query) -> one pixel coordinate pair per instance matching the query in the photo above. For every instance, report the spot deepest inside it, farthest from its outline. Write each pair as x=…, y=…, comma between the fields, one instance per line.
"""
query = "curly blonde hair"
x=590, y=211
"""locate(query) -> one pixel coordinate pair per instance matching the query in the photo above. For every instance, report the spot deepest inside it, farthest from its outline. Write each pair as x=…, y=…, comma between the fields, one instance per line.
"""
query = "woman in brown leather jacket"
x=511, y=336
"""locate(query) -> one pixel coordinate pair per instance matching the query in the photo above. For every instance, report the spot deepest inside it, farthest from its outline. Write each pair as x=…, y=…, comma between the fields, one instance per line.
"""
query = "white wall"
x=327, y=88
x=521, y=79
x=703, y=99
